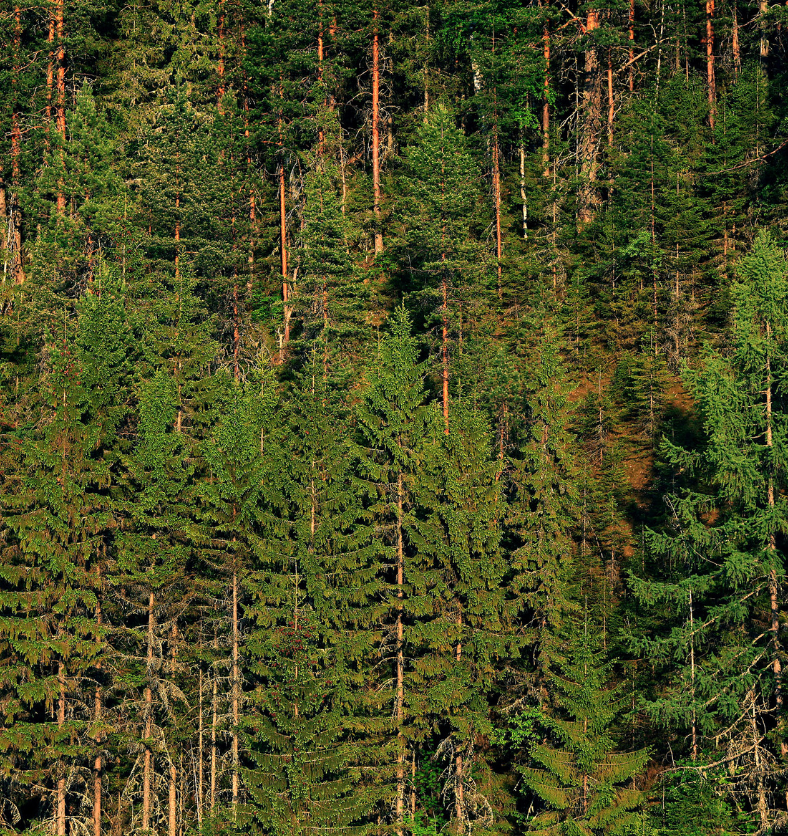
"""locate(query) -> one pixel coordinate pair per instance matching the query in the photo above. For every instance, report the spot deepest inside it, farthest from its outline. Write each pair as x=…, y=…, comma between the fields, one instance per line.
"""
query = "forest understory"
x=393, y=417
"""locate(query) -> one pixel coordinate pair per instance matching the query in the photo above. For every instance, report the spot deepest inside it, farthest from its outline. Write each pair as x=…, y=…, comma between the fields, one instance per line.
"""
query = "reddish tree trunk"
x=631, y=46
x=711, y=83
x=147, y=763
x=61, y=721
x=588, y=146
x=60, y=55
x=376, y=133
x=546, y=105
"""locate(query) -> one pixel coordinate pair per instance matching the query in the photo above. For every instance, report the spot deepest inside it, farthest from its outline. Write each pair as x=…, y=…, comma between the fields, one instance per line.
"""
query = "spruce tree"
x=720, y=547
x=578, y=772
x=307, y=731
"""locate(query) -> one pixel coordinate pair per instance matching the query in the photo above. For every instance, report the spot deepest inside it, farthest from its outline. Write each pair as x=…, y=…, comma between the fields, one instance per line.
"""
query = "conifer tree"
x=456, y=601
x=391, y=431
x=578, y=772
x=443, y=259
x=720, y=546
x=543, y=508
x=312, y=633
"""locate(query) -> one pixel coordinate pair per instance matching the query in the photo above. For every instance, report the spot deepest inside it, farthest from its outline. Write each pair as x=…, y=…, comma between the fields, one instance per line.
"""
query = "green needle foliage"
x=579, y=773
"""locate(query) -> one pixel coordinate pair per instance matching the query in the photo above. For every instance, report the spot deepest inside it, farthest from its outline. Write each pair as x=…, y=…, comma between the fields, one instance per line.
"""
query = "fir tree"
x=578, y=772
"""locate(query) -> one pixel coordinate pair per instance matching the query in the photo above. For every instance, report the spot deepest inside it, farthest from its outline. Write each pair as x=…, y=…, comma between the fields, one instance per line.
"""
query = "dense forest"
x=393, y=417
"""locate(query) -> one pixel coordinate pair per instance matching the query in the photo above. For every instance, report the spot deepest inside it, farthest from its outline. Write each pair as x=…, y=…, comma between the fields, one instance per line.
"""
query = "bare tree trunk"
x=497, y=204
x=523, y=195
x=147, y=763
x=61, y=721
x=236, y=697
x=220, y=68
x=588, y=144
x=14, y=239
x=400, y=697
x=60, y=55
x=735, y=46
x=631, y=46
x=546, y=105
x=445, y=351
x=172, y=809
x=694, y=749
x=376, y=133
x=285, y=338
x=459, y=799
x=773, y=585
x=763, y=8
x=711, y=83
x=200, y=749
x=214, y=724
x=611, y=104
x=50, y=70
x=97, y=762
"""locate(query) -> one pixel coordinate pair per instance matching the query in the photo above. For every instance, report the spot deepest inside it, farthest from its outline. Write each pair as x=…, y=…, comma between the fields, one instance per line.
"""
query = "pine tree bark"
x=98, y=761
x=200, y=751
x=711, y=83
x=763, y=8
x=13, y=240
x=236, y=696
x=459, y=774
x=285, y=336
x=400, y=693
x=60, y=55
x=631, y=34
x=774, y=602
x=376, y=132
x=496, y=172
x=172, y=808
x=591, y=126
x=735, y=44
x=61, y=781
x=546, y=105
x=147, y=763
x=445, y=350
x=214, y=725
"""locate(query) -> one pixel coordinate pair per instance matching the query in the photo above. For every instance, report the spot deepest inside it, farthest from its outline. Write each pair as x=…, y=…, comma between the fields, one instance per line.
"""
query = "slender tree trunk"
x=611, y=104
x=200, y=752
x=13, y=241
x=735, y=45
x=459, y=799
x=97, y=762
x=763, y=8
x=214, y=725
x=694, y=749
x=147, y=763
x=376, y=133
x=50, y=69
x=774, y=601
x=400, y=698
x=496, y=172
x=631, y=46
x=710, y=79
x=236, y=697
x=60, y=55
x=285, y=338
x=445, y=351
x=588, y=144
x=172, y=809
x=426, y=62
x=523, y=195
x=546, y=105
x=61, y=721
x=220, y=67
